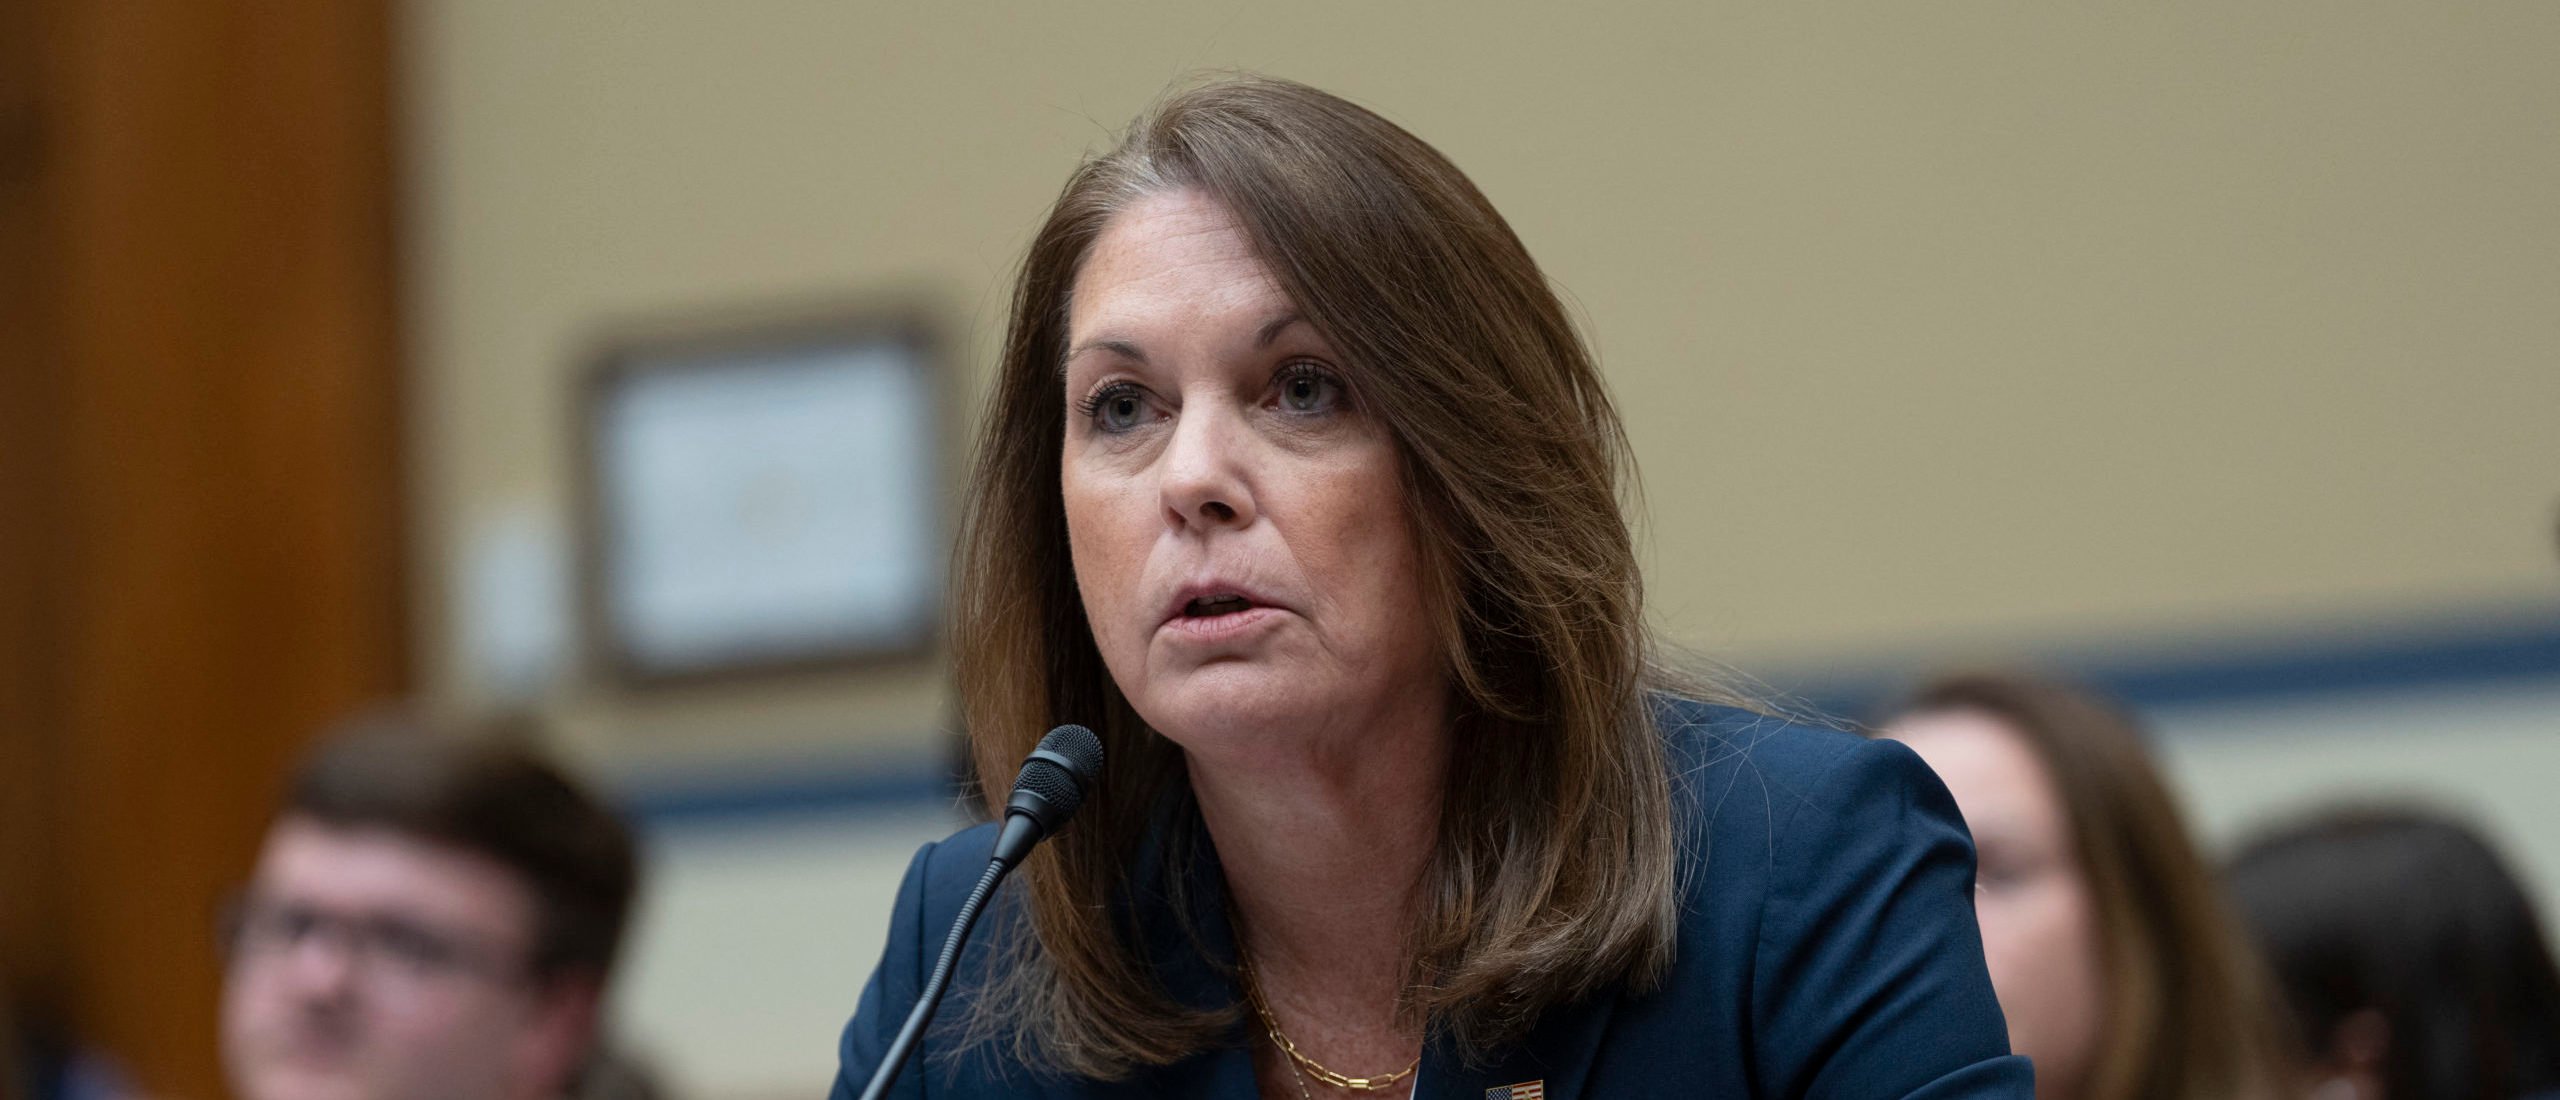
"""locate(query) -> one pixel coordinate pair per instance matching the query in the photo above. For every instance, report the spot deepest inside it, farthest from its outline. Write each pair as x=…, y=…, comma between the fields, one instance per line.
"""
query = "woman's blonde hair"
x=1555, y=874
x=2188, y=1014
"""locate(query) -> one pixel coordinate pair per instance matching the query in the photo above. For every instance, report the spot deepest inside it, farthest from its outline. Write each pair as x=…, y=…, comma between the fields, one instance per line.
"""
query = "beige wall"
x=1944, y=321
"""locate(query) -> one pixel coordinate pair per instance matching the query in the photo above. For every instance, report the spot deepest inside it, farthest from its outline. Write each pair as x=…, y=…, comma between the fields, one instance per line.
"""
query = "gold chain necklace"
x=1298, y=1058
x=1300, y=1079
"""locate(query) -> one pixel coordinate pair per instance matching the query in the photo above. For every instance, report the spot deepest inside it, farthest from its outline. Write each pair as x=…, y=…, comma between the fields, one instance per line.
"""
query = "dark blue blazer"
x=1827, y=949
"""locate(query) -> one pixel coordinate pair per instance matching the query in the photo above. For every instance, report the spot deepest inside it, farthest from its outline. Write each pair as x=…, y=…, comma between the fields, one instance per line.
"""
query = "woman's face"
x=2039, y=922
x=1237, y=521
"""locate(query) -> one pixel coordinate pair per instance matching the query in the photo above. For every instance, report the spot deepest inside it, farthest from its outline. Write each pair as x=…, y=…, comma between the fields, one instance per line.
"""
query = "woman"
x=1298, y=487
x=2120, y=971
x=2412, y=963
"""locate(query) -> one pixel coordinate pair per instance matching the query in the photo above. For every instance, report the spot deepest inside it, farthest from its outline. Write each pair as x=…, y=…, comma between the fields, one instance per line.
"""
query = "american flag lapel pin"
x=1525, y=1090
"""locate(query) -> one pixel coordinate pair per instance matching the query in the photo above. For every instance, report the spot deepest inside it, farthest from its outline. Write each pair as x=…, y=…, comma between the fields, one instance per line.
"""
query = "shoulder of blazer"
x=1734, y=768
x=948, y=869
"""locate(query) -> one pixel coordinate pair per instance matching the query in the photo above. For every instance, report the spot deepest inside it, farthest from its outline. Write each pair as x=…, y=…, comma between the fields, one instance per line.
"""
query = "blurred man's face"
x=368, y=965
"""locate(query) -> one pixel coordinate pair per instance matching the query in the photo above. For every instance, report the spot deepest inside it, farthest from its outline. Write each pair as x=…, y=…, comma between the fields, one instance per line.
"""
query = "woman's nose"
x=1203, y=476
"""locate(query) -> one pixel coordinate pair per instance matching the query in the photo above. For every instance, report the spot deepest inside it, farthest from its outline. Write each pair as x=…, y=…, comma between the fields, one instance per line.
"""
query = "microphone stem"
x=931, y=997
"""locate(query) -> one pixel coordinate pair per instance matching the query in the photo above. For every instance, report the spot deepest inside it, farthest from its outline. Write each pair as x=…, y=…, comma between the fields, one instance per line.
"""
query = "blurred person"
x=2411, y=962
x=2121, y=972
x=433, y=916
x=1298, y=486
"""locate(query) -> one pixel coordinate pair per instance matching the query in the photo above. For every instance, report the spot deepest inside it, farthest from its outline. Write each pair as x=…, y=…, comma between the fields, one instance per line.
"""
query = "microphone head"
x=1081, y=750
x=1053, y=780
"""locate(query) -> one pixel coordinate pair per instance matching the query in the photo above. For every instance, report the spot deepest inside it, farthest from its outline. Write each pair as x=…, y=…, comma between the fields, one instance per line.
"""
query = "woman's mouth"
x=1218, y=617
x=1208, y=607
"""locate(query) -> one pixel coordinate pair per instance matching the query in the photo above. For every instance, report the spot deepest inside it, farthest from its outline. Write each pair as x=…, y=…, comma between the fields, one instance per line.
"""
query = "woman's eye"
x=2003, y=871
x=1305, y=389
x=1121, y=411
x=1118, y=407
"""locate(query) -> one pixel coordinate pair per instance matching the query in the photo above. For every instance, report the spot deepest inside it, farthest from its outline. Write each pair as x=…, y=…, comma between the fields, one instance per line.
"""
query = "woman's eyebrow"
x=1262, y=338
x=1117, y=347
x=1272, y=328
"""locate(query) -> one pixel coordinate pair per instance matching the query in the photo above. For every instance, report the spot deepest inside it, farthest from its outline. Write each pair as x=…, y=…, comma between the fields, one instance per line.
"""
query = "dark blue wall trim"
x=2406, y=658
x=673, y=805
x=2388, y=665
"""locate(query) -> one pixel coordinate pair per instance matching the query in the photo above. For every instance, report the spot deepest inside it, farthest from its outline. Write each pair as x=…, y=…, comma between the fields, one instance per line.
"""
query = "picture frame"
x=763, y=499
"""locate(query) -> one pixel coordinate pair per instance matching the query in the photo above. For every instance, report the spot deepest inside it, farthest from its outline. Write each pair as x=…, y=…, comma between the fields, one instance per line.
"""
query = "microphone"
x=1046, y=793
x=1048, y=790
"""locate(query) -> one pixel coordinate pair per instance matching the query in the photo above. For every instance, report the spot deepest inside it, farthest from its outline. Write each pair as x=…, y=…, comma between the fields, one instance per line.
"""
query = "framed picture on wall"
x=763, y=500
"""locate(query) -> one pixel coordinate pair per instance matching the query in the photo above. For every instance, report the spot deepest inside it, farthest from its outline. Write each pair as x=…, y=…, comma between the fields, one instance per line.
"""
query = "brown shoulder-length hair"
x=2187, y=1013
x=1555, y=873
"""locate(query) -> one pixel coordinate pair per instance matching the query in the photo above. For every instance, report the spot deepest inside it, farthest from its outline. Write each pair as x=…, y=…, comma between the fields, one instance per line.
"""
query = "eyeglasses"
x=388, y=945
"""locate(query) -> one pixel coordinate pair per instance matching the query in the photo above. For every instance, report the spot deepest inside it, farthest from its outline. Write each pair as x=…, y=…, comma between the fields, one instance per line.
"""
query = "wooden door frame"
x=209, y=464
